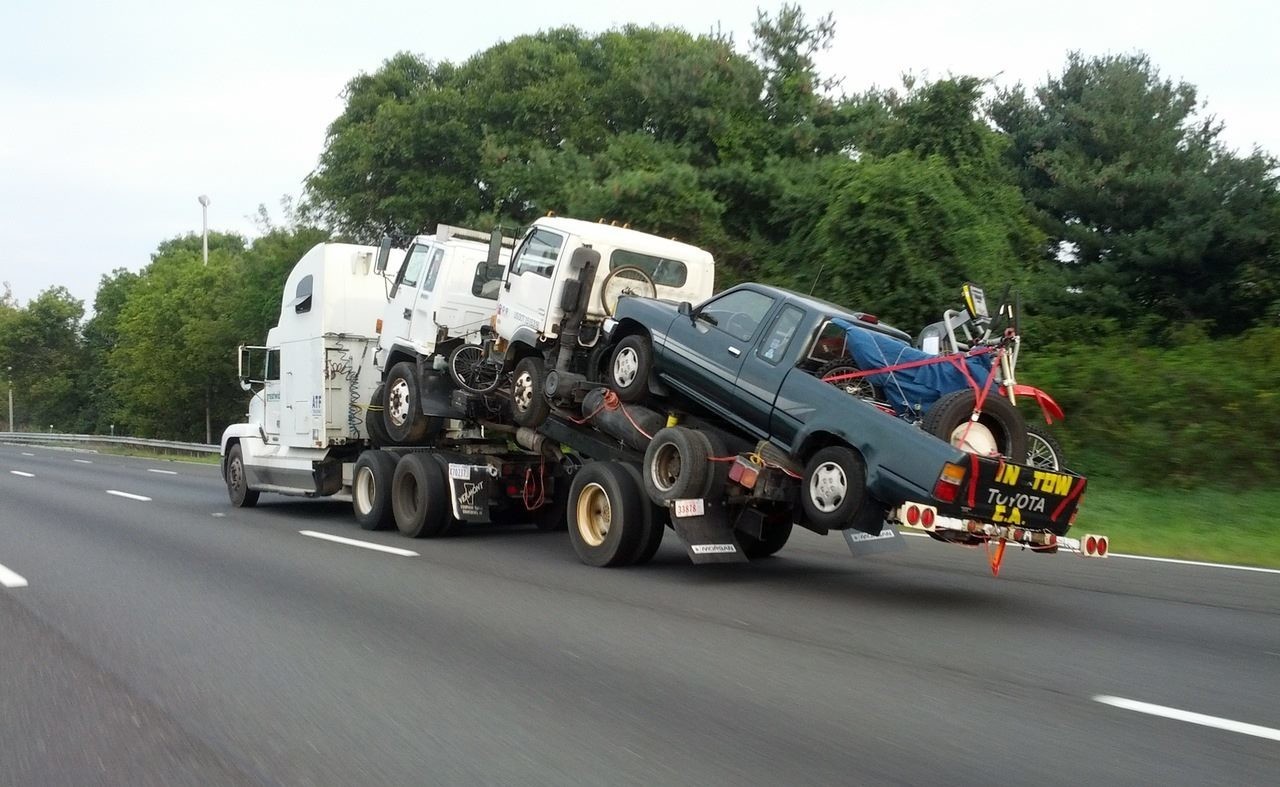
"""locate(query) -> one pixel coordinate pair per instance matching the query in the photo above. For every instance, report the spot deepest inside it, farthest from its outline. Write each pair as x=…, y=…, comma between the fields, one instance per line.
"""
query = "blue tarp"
x=908, y=390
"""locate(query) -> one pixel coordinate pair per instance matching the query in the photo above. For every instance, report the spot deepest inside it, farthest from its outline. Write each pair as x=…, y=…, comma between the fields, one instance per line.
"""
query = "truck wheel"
x=676, y=465
x=834, y=487
x=774, y=538
x=374, y=424
x=653, y=526
x=420, y=497
x=998, y=430
x=529, y=406
x=371, y=489
x=606, y=514
x=402, y=406
x=1043, y=450
x=237, y=483
x=552, y=515
x=629, y=368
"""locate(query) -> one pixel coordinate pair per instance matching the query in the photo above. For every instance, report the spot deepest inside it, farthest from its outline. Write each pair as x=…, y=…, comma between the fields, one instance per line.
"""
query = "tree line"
x=1105, y=194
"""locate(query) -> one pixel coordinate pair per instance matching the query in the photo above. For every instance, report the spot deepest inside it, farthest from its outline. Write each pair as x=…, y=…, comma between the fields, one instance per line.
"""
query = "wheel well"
x=627, y=327
x=222, y=460
x=395, y=357
x=817, y=441
x=518, y=352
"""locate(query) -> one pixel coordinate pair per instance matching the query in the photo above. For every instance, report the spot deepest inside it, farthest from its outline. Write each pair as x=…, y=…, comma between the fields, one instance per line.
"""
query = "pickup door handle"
x=735, y=352
x=408, y=314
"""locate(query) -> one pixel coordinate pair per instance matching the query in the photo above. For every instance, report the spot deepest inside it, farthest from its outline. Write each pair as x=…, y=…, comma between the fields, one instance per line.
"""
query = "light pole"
x=204, y=231
x=12, y=428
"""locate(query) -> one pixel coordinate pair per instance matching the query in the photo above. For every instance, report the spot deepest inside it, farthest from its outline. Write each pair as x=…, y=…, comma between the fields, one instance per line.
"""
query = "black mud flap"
x=436, y=396
x=704, y=527
x=862, y=544
x=471, y=489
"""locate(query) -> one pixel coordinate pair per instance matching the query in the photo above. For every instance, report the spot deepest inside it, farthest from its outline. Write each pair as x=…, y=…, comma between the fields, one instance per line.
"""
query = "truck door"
x=702, y=356
x=422, y=327
x=760, y=376
x=404, y=295
x=526, y=297
x=271, y=393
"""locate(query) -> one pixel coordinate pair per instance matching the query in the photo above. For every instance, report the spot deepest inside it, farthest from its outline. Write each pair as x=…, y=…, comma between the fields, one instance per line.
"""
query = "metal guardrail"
x=136, y=442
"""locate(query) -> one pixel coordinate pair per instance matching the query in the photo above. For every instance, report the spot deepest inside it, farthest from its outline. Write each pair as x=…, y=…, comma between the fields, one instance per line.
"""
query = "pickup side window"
x=774, y=347
x=434, y=271
x=830, y=344
x=538, y=253
x=739, y=313
x=413, y=266
x=669, y=273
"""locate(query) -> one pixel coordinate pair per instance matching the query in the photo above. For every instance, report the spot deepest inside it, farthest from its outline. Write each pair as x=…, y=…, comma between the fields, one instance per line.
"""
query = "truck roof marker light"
x=947, y=489
x=871, y=318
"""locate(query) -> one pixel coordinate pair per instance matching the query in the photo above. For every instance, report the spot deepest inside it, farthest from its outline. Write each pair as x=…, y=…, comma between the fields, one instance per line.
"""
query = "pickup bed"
x=745, y=359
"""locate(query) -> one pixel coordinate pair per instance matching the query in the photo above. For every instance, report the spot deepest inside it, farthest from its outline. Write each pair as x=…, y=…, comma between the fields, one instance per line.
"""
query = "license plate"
x=687, y=508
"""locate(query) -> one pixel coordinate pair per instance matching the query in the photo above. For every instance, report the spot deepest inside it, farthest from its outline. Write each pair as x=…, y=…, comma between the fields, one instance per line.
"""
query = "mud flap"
x=703, y=525
x=887, y=540
x=470, y=488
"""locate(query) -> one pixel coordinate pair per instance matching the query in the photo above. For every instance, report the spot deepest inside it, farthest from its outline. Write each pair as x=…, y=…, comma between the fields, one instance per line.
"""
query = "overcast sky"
x=115, y=116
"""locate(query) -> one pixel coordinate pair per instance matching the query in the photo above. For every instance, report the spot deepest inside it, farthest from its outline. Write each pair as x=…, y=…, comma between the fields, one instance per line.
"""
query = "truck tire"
x=1043, y=450
x=237, y=482
x=998, y=430
x=834, y=487
x=774, y=538
x=420, y=497
x=629, y=368
x=606, y=514
x=654, y=525
x=553, y=514
x=374, y=425
x=529, y=405
x=402, y=406
x=371, y=489
x=676, y=465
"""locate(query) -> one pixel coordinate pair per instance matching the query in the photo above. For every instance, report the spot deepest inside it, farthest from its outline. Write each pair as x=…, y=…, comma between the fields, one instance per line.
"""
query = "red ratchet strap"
x=973, y=480
x=954, y=359
x=1075, y=492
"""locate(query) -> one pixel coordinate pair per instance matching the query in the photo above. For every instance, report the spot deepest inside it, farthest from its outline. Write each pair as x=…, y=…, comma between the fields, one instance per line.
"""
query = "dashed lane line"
x=128, y=495
x=351, y=542
x=82, y=461
x=22, y=474
x=162, y=472
x=11, y=579
x=1216, y=722
x=25, y=453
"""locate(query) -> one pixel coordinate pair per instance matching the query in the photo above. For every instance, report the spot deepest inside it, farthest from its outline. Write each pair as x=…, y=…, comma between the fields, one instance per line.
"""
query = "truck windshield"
x=539, y=253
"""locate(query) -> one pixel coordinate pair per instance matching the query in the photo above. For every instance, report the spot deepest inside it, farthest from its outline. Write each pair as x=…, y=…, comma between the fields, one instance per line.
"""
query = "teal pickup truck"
x=745, y=361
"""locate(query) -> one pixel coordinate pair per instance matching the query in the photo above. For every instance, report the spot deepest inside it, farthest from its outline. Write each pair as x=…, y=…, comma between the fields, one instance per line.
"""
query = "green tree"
x=41, y=342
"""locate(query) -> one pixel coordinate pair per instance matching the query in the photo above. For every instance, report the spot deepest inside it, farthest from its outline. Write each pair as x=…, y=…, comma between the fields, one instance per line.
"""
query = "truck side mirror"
x=495, y=246
x=384, y=254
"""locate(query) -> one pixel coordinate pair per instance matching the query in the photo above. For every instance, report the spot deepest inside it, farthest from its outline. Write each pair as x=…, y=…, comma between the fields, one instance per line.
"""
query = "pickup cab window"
x=830, y=343
x=538, y=253
x=738, y=313
x=775, y=345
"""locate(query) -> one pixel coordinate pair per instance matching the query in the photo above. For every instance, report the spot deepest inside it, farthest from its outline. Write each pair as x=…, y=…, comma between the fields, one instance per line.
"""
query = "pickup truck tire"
x=998, y=430
x=774, y=538
x=237, y=483
x=371, y=489
x=629, y=368
x=676, y=465
x=529, y=406
x=402, y=405
x=834, y=487
x=607, y=515
x=373, y=423
x=1043, y=450
x=420, y=497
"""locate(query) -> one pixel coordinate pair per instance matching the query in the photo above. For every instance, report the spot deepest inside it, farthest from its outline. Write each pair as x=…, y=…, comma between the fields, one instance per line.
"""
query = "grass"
x=1194, y=524
x=127, y=450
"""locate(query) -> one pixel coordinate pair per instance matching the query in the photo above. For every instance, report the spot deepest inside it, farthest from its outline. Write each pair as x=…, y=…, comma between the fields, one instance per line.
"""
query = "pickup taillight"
x=947, y=489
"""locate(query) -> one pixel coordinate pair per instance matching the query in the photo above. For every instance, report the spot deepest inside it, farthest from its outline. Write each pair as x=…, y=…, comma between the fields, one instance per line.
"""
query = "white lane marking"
x=162, y=472
x=353, y=543
x=24, y=453
x=11, y=579
x=1255, y=730
x=24, y=475
x=130, y=496
x=82, y=461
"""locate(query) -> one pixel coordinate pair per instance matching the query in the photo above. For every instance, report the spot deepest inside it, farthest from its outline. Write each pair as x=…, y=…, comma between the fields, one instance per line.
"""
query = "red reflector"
x=945, y=492
x=1102, y=547
x=913, y=516
x=1090, y=545
x=926, y=517
x=512, y=490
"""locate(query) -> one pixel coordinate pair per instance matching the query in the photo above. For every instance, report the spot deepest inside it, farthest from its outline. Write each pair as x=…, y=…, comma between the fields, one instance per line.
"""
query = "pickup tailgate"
x=998, y=491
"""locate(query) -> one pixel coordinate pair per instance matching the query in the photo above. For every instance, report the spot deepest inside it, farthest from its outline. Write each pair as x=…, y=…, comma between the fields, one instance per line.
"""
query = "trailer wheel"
x=606, y=514
x=237, y=483
x=834, y=487
x=553, y=514
x=371, y=489
x=402, y=405
x=629, y=368
x=676, y=465
x=774, y=538
x=998, y=430
x=529, y=406
x=1043, y=450
x=420, y=497
x=374, y=424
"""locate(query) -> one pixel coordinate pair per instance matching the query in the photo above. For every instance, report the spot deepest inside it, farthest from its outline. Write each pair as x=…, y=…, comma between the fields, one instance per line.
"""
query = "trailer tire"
x=237, y=482
x=553, y=514
x=1043, y=450
x=402, y=406
x=774, y=538
x=834, y=487
x=999, y=428
x=654, y=525
x=630, y=364
x=371, y=489
x=529, y=405
x=420, y=497
x=374, y=424
x=676, y=465
x=607, y=514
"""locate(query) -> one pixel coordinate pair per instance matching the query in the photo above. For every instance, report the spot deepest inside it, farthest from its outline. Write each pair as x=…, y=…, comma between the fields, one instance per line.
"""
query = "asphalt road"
x=177, y=640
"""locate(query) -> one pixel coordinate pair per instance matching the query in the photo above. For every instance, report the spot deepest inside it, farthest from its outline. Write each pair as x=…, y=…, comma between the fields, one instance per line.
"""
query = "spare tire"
x=676, y=465
x=998, y=430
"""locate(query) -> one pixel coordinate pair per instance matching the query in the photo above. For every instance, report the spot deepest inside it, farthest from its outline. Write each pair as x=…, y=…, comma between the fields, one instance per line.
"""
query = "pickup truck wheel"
x=371, y=489
x=998, y=430
x=374, y=425
x=1043, y=450
x=606, y=514
x=834, y=487
x=401, y=406
x=529, y=406
x=676, y=465
x=237, y=483
x=420, y=497
x=774, y=538
x=629, y=368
